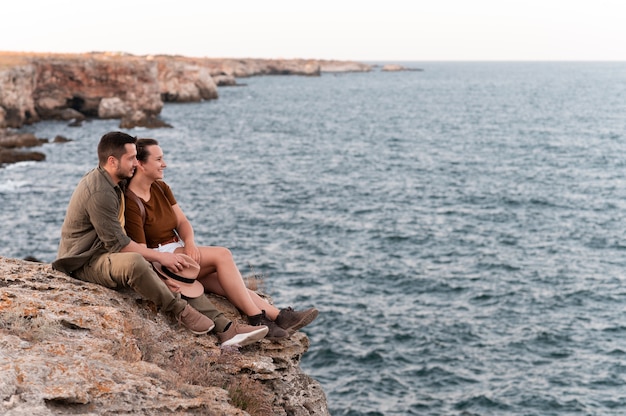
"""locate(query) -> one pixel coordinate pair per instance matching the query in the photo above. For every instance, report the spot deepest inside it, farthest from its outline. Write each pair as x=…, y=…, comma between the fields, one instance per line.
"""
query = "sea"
x=460, y=228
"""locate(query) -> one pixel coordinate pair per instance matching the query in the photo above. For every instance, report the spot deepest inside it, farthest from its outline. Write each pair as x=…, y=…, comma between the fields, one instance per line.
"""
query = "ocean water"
x=461, y=229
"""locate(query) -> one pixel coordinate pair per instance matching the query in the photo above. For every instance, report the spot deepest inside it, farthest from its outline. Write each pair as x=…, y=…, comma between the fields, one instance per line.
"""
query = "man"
x=95, y=248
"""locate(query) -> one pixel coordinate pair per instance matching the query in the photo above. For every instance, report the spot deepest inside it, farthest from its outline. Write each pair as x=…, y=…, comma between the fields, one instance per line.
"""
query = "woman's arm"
x=185, y=230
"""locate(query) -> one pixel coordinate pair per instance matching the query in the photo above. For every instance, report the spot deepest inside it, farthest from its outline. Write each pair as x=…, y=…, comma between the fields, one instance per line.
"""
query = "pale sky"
x=390, y=30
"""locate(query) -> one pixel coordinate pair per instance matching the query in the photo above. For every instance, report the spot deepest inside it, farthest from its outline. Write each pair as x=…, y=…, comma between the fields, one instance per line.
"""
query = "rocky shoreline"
x=68, y=346
x=133, y=89
x=71, y=347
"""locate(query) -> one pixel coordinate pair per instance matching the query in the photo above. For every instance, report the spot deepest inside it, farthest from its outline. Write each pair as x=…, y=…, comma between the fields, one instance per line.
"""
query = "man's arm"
x=172, y=261
x=102, y=209
x=135, y=218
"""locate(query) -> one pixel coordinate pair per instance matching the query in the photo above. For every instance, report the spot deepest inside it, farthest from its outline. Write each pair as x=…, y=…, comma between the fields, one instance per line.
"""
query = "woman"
x=154, y=218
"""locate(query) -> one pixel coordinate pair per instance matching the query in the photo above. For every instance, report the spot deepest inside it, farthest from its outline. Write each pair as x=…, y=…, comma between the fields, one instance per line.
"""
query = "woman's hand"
x=192, y=251
x=173, y=261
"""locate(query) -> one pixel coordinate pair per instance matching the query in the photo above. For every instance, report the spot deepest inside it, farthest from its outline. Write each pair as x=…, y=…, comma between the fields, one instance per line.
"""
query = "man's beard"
x=122, y=175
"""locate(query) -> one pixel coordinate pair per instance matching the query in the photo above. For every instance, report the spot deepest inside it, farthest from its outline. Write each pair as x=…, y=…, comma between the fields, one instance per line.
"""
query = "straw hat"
x=185, y=279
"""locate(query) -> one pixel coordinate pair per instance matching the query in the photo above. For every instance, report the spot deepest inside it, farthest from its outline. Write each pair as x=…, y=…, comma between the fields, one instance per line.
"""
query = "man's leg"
x=203, y=305
x=228, y=333
x=131, y=270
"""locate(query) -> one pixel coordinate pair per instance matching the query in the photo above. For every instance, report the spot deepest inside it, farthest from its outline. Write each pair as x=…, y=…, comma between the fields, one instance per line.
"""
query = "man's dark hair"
x=113, y=144
x=142, y=152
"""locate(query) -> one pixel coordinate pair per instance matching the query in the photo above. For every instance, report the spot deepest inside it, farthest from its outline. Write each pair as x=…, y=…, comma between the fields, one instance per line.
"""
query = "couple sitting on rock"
x=118, y=237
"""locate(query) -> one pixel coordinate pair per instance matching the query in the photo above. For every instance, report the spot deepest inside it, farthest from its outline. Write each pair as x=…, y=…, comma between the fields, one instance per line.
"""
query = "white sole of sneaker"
x=203, y=332
x=246, y=339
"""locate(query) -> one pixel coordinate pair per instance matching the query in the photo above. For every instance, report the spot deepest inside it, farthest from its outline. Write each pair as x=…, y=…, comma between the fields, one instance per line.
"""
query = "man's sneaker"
x=275, y=332
x=194, y=321
x=242, y=335
x=291, y=320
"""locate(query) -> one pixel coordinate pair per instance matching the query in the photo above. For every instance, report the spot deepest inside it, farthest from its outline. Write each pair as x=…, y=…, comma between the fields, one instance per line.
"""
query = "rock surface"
x=70, y=347
x=12, y=145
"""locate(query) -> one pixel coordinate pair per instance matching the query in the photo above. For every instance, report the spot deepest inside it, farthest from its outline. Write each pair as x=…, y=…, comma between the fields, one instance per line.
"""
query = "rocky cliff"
x=70, y=347
x=127, y=87
x=130, y=88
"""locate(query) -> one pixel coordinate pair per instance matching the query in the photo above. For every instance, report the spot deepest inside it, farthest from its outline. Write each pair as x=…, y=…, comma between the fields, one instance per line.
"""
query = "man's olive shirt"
x=91, y=227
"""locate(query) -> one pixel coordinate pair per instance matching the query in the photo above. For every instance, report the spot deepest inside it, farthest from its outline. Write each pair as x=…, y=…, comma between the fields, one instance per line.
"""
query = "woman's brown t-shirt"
x=160, y=216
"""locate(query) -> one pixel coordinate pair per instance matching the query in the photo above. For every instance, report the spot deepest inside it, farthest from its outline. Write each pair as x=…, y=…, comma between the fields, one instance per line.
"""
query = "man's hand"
x=173, y=286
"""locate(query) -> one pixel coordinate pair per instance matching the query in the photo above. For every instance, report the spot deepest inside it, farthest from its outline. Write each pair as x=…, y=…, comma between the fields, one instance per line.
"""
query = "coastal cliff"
x=133, y=89
x=35, y=87
x=71, y=347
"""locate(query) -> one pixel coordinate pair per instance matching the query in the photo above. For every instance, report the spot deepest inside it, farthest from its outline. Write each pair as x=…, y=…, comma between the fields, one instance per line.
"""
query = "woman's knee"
x=216, y=254
x=223, y=253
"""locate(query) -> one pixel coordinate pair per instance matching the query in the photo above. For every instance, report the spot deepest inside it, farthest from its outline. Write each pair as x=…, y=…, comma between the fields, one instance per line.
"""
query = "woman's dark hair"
x=142, y=151
x=113, y=144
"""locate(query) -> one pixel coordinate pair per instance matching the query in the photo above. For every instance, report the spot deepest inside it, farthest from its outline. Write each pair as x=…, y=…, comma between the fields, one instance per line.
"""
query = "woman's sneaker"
x=291, y=320
x=275, y=332
x=242, y=335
